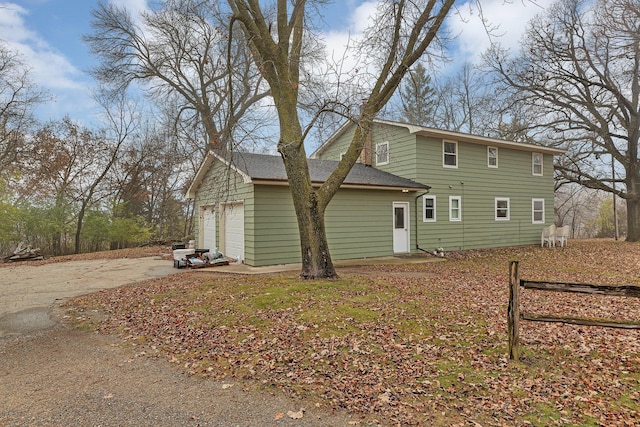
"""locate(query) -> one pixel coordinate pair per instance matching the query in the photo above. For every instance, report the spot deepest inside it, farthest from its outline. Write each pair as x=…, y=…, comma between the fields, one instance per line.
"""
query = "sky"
x=48, y=36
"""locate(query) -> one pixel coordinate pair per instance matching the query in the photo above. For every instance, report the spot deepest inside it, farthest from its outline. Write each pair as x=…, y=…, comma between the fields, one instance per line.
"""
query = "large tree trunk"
x=316, y=260
x=79, y=223
x=633, y=182
x=633, y=220
x=278, y=51
x=633, y=205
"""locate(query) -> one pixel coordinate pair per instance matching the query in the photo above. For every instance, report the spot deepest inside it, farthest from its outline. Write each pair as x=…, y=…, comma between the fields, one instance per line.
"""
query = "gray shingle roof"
x=271, y=168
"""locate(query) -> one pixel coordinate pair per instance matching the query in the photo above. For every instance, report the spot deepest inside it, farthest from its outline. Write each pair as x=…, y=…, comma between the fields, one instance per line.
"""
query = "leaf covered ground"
x=411, y=344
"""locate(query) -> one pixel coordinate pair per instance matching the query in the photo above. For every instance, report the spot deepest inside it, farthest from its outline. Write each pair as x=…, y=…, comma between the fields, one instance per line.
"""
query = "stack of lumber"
x=24, y=253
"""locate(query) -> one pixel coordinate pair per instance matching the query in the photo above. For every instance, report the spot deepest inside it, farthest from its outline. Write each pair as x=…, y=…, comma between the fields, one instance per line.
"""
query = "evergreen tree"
x=417, y=97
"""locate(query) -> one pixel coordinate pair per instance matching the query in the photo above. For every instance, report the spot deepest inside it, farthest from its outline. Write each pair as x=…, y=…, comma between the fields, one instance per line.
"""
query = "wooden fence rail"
x=514, y=315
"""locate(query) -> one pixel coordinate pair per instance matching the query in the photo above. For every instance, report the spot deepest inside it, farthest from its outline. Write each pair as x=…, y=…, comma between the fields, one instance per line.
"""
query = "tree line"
x=70, y=189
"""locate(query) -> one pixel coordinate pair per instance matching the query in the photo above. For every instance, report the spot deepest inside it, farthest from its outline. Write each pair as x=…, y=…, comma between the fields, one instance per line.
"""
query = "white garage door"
x=234, y=230
x=208, y=221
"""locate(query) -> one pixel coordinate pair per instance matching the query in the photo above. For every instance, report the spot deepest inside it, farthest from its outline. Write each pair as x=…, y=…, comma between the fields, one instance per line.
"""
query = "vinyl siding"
x=339, y=146
x=402, y=150
x=221, y=185
x=478, y=185
x=277, y=239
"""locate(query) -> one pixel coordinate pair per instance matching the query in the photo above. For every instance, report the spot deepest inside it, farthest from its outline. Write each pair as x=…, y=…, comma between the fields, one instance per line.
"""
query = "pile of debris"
x=24, y=253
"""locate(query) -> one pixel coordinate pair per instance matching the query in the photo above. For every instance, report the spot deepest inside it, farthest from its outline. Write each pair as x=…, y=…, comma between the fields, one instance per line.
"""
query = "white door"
x=208, y=229
x=400, y=227
x=234, y=230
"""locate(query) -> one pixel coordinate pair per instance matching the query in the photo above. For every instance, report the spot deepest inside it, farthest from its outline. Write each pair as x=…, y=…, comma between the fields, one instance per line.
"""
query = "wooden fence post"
x=513, y=312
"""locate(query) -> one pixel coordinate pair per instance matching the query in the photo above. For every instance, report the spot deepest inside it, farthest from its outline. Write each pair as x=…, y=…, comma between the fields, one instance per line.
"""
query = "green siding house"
x=414, y=189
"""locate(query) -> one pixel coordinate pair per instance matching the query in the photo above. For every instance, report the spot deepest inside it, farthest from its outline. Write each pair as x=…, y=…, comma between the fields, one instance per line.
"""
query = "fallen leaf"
x=385, y=397
x=296, y=415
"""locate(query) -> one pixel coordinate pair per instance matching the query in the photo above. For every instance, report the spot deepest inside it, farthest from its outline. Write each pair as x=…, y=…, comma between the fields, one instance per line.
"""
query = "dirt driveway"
x=53, y=375
x=27, y=291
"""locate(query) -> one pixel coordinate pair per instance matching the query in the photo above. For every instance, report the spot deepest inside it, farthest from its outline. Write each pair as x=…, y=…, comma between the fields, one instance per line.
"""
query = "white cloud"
x=49, y=69
x=508, y=19
x=135, y=7
x=362, y=15
x=340, y=42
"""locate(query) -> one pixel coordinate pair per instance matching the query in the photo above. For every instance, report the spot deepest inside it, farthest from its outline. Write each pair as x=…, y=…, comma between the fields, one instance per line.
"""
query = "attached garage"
x=234, y=230
x=256, y=220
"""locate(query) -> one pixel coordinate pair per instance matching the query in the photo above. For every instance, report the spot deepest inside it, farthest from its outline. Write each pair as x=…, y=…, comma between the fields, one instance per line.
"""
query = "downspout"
x=416, y=227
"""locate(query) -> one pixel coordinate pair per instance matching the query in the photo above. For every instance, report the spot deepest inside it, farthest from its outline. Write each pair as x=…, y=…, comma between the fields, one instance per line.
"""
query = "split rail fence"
x=514, y=315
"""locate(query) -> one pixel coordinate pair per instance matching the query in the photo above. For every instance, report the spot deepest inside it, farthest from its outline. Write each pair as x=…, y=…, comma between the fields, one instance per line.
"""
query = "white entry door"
x=234, y=230
x=401, y=227
x=208, y=227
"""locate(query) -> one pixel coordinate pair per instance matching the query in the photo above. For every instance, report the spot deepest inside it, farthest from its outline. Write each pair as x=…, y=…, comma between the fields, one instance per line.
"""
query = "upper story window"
x=502, y=209
x=455, y=208
x=492, y=157
x=537, y=211
x=536, y=163
x=429, y=211
x=449, y=154
x=382, y=153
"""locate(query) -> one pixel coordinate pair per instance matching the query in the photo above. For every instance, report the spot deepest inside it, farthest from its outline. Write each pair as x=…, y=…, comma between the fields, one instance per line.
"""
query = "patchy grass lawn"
x=415, y=344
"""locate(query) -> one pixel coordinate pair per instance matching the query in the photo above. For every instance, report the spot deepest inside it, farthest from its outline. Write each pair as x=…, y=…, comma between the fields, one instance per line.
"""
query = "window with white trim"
x=536, y=163
x=492, y=157
x=455, y=208
x=537, y=211
x=502, y=209
x=382, y=153
x=429, y=208
x=449, y=154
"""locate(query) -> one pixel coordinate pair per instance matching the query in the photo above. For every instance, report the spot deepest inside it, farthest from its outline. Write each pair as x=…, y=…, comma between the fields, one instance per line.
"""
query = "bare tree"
x=182, y=52
x=148, y=181
x=399, y=36
x=18, y=97
x=466, y=102
x=121, y=119
x=577, y=206
x=578, y=75
x=62, y=156
x=71, y=163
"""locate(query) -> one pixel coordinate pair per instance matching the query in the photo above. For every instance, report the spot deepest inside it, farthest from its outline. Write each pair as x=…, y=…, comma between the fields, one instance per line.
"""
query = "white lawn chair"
x=562, y=235
x=549, y=236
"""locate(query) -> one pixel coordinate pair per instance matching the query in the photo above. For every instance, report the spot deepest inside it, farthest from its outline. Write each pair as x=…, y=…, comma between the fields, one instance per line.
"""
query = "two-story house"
x=414, y=189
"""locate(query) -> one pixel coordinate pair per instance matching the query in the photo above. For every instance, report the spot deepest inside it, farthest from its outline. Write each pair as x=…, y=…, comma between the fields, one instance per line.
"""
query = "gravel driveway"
x=54, y=375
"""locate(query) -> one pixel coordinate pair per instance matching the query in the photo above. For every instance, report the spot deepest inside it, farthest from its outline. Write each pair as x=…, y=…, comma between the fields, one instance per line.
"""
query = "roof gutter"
x=351, y=186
